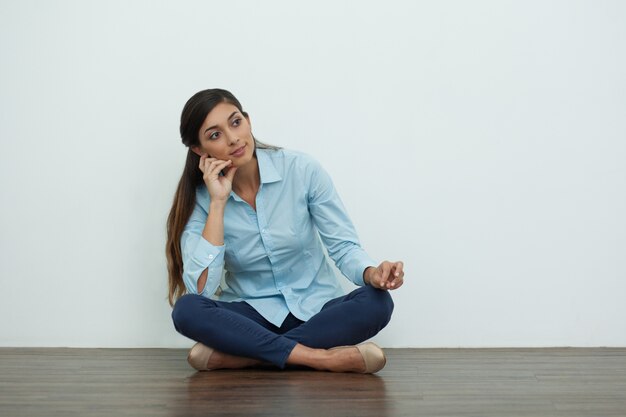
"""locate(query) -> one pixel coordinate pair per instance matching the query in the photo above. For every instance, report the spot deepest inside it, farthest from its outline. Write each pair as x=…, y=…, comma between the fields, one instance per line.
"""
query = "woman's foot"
x=204, y=358
x=363, y=358
x=219, y=360
x=345, y=359
x=372, y=358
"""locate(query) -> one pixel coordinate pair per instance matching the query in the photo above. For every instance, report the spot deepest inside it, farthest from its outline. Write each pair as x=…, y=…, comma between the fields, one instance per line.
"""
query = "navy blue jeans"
x=238, y=329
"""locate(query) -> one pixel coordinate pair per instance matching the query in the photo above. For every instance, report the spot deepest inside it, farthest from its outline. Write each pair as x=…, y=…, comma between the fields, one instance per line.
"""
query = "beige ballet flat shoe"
x=199, y=356
x=372, y=354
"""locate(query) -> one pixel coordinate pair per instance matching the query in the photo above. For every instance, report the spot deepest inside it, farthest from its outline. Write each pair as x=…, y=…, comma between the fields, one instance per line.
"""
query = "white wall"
x=481, y=142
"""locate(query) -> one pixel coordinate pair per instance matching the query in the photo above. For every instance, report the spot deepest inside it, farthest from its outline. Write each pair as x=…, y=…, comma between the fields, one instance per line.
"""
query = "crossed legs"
x=241, y=337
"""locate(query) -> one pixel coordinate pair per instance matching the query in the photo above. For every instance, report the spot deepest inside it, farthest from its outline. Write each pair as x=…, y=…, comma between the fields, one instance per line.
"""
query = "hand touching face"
x=219, y=186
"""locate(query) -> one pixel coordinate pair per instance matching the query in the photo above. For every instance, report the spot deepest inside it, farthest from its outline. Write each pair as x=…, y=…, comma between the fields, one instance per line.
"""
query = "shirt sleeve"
x=335, y=227
x=198, y=254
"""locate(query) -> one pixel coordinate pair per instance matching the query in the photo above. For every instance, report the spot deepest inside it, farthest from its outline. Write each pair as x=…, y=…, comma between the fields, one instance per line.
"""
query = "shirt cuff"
x=359, y=263
x=206, y=255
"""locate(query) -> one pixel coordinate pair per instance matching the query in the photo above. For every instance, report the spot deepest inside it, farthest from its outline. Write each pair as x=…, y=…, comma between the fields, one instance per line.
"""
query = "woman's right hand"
x=219, y=186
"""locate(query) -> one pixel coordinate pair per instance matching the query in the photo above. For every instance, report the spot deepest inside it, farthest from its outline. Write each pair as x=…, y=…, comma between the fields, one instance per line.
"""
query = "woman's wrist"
x=214, y=228
x=217, y=204
x=366, y=275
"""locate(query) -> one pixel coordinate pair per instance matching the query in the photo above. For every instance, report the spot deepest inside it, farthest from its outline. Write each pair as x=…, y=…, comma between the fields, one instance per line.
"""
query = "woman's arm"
x=208, y=249
x=203, y=261
x=333, y=224
x=340, y=238
x=213, y=232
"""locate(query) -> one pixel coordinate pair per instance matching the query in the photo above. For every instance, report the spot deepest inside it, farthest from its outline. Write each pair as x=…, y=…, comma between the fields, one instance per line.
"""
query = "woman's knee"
x=186, y=309
x=381, y=304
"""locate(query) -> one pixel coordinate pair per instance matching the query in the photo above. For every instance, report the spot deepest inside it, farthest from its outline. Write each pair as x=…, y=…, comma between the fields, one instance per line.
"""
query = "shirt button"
x=263, y=231
x=210, y=256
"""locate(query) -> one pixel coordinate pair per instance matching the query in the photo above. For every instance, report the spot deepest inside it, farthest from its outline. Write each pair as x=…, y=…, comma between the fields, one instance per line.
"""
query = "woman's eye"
x=236, y=122
x=213, y=135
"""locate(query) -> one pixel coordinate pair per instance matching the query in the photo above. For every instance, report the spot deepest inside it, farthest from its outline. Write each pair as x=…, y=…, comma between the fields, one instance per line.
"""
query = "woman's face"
x=226, y=134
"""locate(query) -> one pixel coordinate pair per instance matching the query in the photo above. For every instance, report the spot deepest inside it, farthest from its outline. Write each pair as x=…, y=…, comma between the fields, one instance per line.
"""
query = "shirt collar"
x=267, y=169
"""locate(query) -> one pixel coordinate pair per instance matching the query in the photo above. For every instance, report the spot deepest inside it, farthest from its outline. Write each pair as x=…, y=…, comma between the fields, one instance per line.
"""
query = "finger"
x=397, y=272
x=231, y=173
x=398, y=268
x=202, y=159
x=397, y=283
x=385, y=270
x=396, y=280
x=217, y=166
x=380, y=279
x=206, y=163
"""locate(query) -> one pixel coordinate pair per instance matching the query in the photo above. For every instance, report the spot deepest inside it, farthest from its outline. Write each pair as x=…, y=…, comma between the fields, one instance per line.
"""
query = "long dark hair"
x=194, y=113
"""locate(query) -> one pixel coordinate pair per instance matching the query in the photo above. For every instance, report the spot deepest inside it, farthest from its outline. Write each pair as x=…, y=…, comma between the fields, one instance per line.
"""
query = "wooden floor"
x=416, y=382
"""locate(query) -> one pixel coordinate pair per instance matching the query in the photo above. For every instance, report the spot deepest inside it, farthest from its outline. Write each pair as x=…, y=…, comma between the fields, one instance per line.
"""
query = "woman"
x=257, y=213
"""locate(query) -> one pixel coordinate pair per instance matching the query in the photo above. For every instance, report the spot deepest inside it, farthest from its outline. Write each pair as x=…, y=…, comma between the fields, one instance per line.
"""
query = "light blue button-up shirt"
x=273, y=258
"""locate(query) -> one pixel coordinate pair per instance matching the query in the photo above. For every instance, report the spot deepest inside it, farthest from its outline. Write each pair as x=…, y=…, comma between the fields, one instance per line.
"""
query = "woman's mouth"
x=239, y=151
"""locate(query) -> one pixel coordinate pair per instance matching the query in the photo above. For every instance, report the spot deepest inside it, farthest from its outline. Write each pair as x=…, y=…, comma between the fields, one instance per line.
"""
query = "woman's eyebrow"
x=213, y=127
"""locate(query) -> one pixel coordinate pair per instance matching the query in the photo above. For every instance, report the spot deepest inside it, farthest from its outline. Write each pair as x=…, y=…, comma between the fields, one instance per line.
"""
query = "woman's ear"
x=197, y=150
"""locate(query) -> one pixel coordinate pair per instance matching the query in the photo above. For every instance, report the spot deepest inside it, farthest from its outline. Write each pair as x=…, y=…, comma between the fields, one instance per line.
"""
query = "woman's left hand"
x=386, y=276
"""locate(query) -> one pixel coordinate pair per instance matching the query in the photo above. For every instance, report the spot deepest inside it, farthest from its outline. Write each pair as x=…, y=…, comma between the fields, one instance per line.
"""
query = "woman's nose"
x=232, y=138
